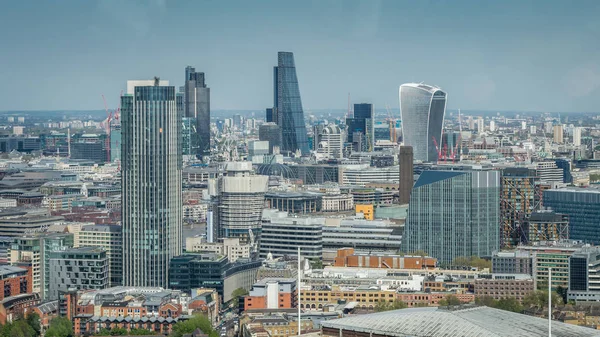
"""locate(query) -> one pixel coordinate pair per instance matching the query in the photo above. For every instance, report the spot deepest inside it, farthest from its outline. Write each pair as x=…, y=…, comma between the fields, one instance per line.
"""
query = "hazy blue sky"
x=493, y=55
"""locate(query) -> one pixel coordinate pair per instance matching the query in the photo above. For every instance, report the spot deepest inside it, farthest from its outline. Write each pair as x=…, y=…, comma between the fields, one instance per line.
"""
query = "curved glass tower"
x=422, y=109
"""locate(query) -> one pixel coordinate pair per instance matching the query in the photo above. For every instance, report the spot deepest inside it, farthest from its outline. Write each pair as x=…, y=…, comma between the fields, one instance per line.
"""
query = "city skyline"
x=489, y=56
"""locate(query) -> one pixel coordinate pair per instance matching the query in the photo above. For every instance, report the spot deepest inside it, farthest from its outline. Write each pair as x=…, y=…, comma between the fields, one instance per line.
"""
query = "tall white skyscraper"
x=422, y=108
x=480, y=125
x=492, y=126
x=558, y=133
x=577, y=136
x=151, y=182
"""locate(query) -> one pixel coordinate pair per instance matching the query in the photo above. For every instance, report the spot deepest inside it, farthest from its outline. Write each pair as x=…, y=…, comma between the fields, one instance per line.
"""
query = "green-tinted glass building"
x=454, y=213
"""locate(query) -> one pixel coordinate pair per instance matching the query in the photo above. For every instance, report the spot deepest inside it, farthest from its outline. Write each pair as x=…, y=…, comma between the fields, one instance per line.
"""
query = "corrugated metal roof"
x=473, y=321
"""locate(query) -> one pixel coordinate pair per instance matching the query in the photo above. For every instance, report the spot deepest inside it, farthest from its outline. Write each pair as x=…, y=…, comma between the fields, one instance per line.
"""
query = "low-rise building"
x=230, y=247
x=78, y=268
x=272, y=294
x=209, y=270
x=348, y=258
x=281, y=235
x=15, y=281
x=500, y=286
x=88, y=324
x=110, y=238
x=584, y=275
x=368, y=297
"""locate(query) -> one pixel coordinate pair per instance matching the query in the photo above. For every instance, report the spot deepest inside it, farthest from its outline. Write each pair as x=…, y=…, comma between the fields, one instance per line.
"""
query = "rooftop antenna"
x=156, y=81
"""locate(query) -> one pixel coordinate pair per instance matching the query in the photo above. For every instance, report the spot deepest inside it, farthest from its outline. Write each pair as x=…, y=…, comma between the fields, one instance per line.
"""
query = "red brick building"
x=14, y=281
x=346, y=257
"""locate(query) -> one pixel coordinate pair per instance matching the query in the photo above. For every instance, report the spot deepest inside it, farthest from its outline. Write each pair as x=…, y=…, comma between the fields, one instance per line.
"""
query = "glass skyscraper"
x=197, y=105
x=288, y=104
x=151, y=182
x=422, y=108
x=453, y=214
x=362, y=123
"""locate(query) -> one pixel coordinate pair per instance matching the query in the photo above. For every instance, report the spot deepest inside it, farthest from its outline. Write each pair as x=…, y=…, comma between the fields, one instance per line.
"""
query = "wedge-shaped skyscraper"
x=288, y=104
x=422, y=109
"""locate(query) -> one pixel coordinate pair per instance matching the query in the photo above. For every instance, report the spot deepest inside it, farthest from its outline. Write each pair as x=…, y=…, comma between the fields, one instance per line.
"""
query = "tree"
x=33, y=320
x=509, y=304
x=140, y=332
x=20, y=328
x=196, y=322
x=236, y=294
x=488, y=301
x=453, y=300
x=473, y=261
x=103, y=332
x=562, y=292
x=118, y=332
x=419, y=252
x=397, y=304
x=383, y=305
x=60, y=327
x=316, y=264
x=539, y=299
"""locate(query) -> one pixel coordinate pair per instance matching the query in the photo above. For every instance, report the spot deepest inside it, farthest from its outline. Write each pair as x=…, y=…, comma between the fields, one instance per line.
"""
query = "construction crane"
x=109, y=115
x=455, y=153
x=118, y=111
x=437, y=149
x=392, y=125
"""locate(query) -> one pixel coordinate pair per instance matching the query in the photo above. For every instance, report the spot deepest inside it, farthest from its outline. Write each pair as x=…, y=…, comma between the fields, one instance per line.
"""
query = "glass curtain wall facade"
x=422, y=108
x=151, y=184
x=453, y=214
x=362, y=123
x=197, y=105
x=288, y=103
x=582, y=205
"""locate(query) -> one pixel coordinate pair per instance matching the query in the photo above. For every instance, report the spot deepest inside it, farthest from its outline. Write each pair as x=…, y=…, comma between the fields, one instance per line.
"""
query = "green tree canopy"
x=539, y=299
x=60, y=327
x=236, y=294
x=386, y=306
x=196, y=322
x=473, y=261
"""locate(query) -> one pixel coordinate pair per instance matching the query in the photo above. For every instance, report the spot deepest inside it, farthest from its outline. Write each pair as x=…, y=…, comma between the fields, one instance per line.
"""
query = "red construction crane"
x=455, y=150
x=118, y=111
x=437, y=149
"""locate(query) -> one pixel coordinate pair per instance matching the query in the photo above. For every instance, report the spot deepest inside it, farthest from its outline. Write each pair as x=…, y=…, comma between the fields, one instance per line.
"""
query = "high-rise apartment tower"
x=151, y=182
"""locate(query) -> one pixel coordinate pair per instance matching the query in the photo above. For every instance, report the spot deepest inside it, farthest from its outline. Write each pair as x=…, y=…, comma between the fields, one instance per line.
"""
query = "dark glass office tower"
x=197, y=105
x=151, y=182
x=361, y=123
x=288, y=104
